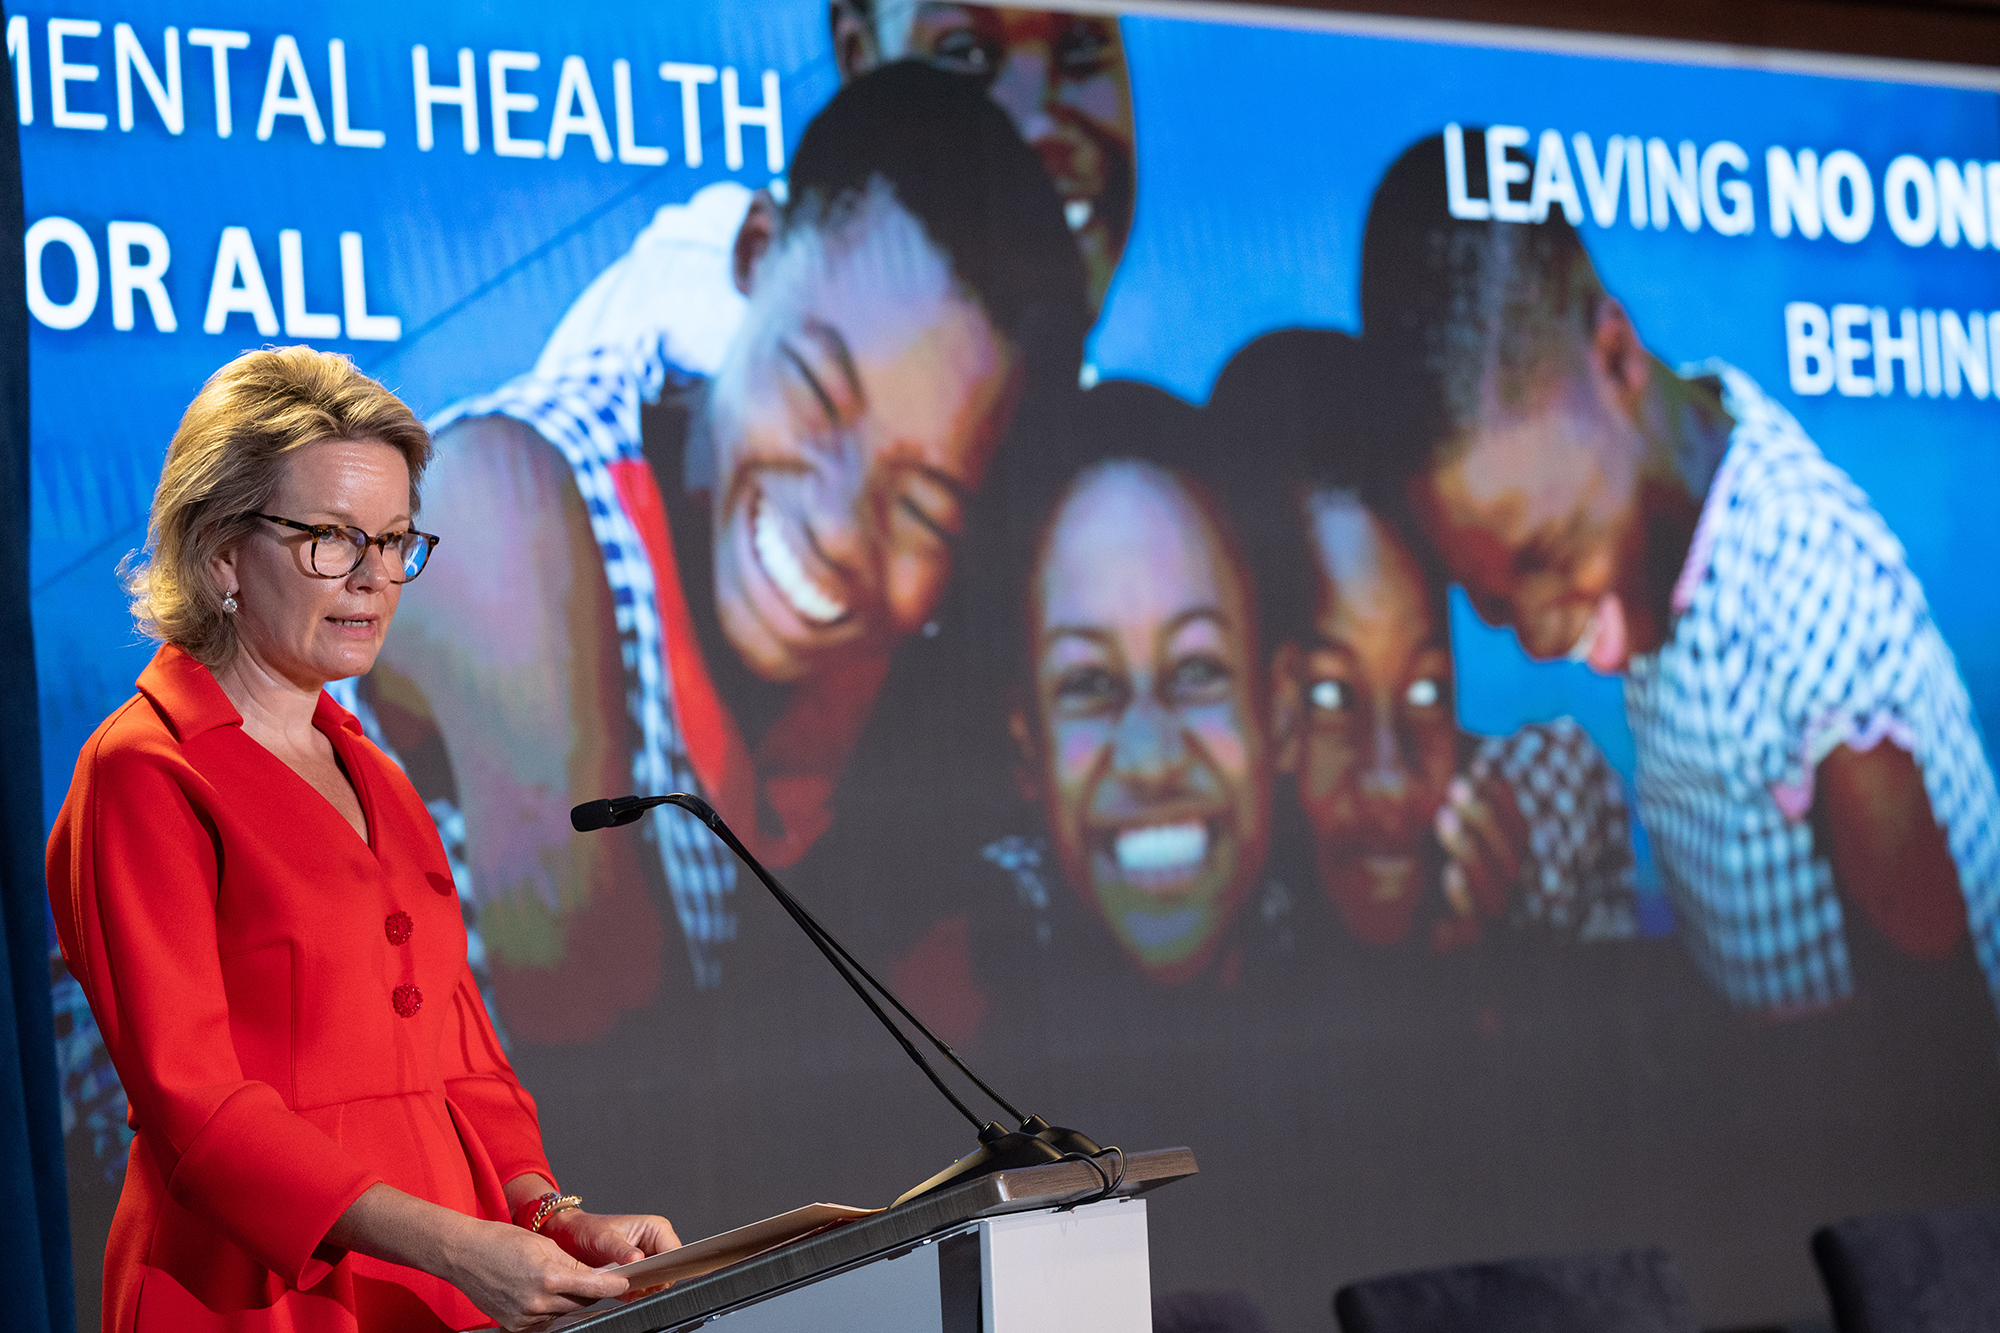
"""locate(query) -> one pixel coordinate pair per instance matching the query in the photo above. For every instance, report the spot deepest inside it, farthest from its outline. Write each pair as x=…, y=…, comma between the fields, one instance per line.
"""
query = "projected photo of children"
x=1130, y=671
x=1809, y=768
x=1141, y=733
x=1418, y=828
x=678, y=578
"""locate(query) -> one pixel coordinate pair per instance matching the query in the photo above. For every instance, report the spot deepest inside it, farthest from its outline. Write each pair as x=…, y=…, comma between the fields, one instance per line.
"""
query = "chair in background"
x=1207, y=1312
x=1634, y=1291
x=1936, y=1271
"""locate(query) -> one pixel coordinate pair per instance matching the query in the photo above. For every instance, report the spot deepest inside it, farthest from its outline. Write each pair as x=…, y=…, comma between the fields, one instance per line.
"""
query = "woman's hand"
x=519, y=1278
x=598, y=1239
x=1485, y=838
x=515, y=1277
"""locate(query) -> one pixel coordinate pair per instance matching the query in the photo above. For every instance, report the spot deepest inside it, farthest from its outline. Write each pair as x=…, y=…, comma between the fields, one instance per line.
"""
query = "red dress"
x=290, y=1010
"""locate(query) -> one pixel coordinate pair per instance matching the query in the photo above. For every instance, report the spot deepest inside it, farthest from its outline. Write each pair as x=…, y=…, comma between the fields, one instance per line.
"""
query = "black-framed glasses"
x=338, y=549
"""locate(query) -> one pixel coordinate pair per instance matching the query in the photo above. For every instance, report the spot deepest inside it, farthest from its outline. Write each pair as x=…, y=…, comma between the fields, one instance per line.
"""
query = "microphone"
x=593, y=815
x=1034, y=1143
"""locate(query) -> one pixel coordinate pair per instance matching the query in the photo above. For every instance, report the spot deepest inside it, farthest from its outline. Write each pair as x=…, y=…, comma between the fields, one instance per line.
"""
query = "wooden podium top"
x=877, y=1237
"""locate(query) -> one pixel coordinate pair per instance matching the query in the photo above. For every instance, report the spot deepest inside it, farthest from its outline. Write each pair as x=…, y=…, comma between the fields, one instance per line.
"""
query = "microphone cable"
x=1111, y=1182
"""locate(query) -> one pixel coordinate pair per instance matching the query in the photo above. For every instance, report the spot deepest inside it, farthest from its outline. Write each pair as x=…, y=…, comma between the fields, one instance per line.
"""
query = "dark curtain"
x=34, y=1260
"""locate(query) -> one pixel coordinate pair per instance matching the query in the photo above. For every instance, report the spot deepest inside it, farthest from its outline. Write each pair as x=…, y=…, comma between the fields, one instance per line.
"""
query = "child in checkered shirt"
x=1807, y=754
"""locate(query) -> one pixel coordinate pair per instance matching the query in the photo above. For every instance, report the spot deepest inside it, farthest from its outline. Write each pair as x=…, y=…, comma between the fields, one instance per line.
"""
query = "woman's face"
x=1144, y=744
x=298, y=627
x=853, y=419
x=1062, y=78
x=1378, y=739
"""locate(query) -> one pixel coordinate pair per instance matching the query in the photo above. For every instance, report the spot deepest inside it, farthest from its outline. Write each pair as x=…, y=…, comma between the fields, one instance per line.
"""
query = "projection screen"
x=1410, y=720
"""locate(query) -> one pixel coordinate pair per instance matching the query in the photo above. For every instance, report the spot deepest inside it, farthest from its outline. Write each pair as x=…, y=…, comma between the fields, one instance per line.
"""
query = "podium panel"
x=1043, y=1272
x=1014, y=1252
x=910, y=1293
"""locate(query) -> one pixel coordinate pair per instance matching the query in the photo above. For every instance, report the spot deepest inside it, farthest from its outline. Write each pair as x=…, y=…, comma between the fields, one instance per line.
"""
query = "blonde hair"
x=224, y=464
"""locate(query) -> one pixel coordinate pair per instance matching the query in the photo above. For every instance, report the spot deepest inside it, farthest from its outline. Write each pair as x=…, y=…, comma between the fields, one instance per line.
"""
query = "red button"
x=407, y=999
x=398, y=927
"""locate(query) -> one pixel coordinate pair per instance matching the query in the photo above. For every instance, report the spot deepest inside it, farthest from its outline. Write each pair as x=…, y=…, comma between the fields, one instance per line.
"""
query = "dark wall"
x=1958, y=31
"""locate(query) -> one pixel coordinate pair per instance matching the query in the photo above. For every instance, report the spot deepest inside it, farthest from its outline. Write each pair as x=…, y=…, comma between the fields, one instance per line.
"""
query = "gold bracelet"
x=548, y=1206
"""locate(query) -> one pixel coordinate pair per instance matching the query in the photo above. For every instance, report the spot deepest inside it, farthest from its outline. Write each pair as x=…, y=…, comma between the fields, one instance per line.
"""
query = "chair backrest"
x=1936, y=1271
x=1634, y=1291
x=1206, y=1312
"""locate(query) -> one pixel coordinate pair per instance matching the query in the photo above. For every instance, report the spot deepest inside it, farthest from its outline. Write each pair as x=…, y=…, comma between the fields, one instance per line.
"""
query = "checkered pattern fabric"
x=1579, y=872
x=590, y=412
x=1800, y=628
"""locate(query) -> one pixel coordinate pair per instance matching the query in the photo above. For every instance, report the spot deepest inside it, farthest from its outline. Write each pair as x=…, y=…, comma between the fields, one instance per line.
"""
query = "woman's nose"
x=377, y=568
x=1148, y=750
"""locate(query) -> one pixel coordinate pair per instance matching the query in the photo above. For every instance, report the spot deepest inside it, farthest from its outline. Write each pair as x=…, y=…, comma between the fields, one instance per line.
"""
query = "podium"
x=1013, y=1252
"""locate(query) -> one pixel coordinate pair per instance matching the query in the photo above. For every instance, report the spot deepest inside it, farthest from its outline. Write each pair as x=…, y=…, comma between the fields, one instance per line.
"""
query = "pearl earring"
x=229, y=602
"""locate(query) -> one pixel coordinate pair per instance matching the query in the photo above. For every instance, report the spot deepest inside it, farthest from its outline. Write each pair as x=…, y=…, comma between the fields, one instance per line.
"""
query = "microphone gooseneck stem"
x=612, y=813
x=835, y=955
x=942, y=1046
x=810, y=924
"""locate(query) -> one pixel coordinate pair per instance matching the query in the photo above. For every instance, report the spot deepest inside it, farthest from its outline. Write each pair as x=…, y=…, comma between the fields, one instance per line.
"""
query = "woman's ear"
x=753, y=239
x=222, y=570
x=1027, y=755
x=1287, y=710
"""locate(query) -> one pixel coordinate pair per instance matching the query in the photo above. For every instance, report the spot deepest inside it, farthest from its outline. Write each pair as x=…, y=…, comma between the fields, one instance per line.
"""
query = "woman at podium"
x=256, y=903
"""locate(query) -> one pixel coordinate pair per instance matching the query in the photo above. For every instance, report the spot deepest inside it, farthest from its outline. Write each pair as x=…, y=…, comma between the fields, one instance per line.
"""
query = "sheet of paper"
x=705, y=1256
x=719, y=1251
